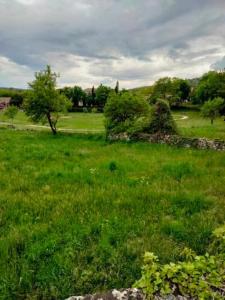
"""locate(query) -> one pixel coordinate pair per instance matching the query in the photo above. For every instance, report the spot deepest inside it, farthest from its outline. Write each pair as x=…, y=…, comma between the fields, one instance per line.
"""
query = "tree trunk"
x=53, y=127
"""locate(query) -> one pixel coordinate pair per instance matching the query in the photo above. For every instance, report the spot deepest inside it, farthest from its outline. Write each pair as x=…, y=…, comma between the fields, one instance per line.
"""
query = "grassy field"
x=192, y=125
x=77, y=213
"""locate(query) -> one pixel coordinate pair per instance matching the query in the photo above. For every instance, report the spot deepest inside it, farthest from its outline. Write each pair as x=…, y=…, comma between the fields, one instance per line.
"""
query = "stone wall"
x=124, y=294
x=174, y=140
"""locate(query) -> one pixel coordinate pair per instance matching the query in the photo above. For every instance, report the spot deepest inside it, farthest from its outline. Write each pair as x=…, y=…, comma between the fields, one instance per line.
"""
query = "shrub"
x=199, y=277
x=94, y=110
x=125, y=112
x=161, y=120
x=112, y=166
x=11, y=112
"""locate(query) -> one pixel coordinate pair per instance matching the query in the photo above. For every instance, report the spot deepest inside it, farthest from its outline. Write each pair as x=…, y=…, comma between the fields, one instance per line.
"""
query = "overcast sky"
x=100, y=41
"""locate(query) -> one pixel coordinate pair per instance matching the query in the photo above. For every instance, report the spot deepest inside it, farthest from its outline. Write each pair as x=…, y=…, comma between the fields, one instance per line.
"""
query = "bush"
x=125, y=112
x=199, y=277
x=11, y=112
x=112, y=166
x=161, y=120
x=85, y=109
x=94, y=110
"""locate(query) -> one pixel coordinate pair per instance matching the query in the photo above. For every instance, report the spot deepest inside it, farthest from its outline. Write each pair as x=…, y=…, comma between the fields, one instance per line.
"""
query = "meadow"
x=189, y=123
x=77, y=213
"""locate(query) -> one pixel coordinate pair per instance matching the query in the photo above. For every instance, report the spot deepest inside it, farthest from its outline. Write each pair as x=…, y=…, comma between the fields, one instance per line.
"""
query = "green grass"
x=194, y=125
x=77, y=213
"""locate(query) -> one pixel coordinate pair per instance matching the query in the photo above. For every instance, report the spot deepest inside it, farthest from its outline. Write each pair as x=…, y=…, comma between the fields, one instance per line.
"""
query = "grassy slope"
x=195, y=125
x=69, y=225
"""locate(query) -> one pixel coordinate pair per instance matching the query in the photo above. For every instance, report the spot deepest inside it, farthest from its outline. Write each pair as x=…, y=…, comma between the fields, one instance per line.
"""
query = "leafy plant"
x=112, y=166
x=199, y=277
x=44, y=102
x=161, y=120
x=11, y=112
x=125, y=112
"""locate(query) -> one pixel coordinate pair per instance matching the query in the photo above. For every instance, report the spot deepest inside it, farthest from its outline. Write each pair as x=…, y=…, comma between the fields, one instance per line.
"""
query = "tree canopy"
x=211, y=109
x=161, y=121
x=44, y=102
x=174, y=90
x=126, y=112
x=210, y=86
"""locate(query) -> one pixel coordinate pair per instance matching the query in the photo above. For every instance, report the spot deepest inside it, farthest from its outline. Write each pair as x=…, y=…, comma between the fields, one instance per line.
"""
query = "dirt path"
x=182, y=117
x=81, y=130
x=22, y=126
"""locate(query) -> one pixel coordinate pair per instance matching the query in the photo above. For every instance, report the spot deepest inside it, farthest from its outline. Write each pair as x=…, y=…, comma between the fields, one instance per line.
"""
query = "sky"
x=89, y=42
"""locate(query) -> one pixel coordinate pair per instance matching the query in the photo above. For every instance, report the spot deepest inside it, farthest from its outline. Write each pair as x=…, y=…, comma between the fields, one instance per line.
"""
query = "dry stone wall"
x=174, y=140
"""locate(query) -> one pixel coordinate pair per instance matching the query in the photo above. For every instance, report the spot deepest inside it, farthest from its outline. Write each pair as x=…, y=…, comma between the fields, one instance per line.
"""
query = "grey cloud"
x=110, y=29
x=219, y=65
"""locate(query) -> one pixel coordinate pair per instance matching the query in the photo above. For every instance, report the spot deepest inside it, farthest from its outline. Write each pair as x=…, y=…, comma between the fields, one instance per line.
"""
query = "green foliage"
x=44, y=102
x=211, y=109
x=75, y=94
x=125, y=112
x=78, y=96
x=210, y=86
x=70, y=226
x=94, y=110
x=17, y=99
x=218, y=244
x=117, y=87
x=101, y=95
x=10, y=112
x=174, y=90
x=112, y=166
x=199, y=277
x=161, y=120
x=17, y=96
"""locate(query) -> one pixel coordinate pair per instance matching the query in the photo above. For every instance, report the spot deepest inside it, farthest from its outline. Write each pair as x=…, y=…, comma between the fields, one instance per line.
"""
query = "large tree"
x=102, y=93
x=174, y=90
x=211, y=85
x=44, y=102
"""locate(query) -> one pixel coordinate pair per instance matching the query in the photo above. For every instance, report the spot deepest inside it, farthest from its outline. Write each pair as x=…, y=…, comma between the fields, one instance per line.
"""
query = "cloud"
x=93, y=41
x=219, y=64
x=13, y=74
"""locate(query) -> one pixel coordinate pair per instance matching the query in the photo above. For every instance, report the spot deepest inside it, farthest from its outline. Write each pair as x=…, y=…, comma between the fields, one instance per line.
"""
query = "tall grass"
x=77, y=213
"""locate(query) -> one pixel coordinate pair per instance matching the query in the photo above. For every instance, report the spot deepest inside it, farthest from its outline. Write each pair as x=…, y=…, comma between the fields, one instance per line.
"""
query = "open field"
x=77, y=213
x=192, y=125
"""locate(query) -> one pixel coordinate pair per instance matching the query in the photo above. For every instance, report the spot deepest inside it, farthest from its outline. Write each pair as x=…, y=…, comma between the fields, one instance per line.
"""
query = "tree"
x=67, y=91
x=211, y=85
x=17, y=99
x=102, y=93
x=181, y=89
x=211, y=109
x=117, y=88
x=10, y=112
x=75, y=94
x=174, y=90
x=161, y=121
x=78, y=96
x=44, y=102
x=161, y=89
x=126, y=112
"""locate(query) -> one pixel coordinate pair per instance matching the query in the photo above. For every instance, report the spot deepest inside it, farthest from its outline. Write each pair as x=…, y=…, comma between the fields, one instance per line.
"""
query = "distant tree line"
x=197, y=91
x=43, y=101
x=89, y=98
